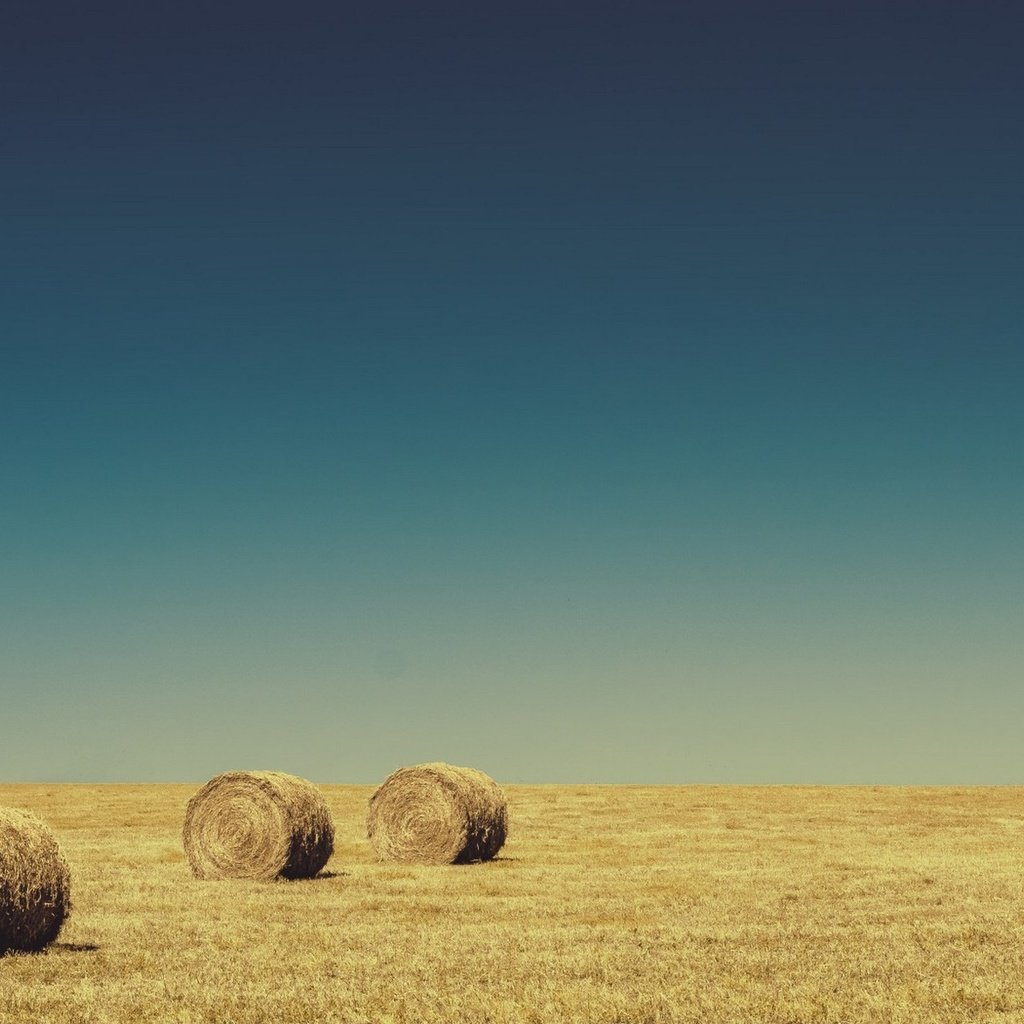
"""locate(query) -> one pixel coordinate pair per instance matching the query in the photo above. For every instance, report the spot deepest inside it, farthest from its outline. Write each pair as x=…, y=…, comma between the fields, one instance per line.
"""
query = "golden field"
x=631, y=904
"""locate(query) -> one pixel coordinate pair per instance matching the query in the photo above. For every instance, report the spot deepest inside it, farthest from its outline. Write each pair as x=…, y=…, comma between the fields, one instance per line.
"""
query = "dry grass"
x=438, y=813
x=636, y=905
x=257, y=825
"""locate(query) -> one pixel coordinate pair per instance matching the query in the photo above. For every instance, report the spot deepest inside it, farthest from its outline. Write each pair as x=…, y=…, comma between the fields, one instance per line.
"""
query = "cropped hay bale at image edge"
x=35, y=883
x=437, y=813
x=258, y=825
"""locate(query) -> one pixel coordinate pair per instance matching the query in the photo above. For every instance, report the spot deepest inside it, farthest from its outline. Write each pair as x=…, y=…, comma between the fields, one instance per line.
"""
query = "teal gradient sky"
x=614, y=394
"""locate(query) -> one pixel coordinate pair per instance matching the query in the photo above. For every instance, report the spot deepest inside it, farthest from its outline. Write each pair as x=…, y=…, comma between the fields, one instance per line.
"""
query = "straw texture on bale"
x=35, y=884
x=259, y=825
x=437, y=814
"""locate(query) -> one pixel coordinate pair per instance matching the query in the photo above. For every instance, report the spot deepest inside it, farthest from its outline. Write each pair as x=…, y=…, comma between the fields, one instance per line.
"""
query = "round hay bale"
x=35, y=884
x=259, y=825
x=437, y=814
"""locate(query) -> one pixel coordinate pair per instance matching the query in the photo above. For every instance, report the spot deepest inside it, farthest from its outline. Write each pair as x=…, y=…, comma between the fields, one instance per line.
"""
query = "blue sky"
x=585, y=393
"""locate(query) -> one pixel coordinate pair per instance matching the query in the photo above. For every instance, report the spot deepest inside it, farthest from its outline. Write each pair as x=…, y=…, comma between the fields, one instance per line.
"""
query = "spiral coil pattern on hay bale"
x=437, y=813
x=257, y=825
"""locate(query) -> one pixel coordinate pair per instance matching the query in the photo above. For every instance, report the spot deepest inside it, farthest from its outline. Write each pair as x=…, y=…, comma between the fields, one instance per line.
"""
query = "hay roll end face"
x=35, y=884
x=438, y=813
x=257, y=825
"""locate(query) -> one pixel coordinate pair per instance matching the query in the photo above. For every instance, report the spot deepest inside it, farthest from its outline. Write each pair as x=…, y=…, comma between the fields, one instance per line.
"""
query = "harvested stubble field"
x=628, y=904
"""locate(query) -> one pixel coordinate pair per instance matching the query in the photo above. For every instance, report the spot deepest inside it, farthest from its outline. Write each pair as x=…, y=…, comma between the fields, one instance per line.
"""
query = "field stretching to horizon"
x=628, y=904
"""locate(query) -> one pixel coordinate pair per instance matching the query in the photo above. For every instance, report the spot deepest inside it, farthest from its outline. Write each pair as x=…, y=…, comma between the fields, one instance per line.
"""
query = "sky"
x=582, y=392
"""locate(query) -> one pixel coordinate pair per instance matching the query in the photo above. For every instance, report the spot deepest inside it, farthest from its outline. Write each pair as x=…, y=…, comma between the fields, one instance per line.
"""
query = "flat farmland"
x=630, y=904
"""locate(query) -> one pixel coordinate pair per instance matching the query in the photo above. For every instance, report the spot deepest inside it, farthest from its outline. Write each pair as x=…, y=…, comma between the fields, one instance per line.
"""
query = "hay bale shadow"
x=323, y=876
